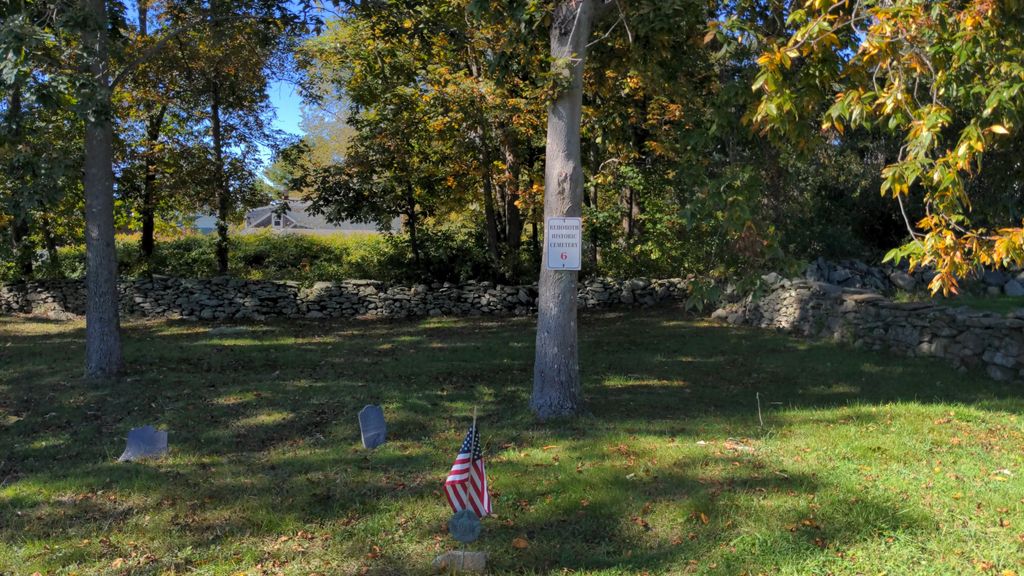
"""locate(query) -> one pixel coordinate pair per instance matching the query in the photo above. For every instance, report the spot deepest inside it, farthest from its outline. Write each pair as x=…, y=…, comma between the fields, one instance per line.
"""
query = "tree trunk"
x=52, y=255
x=513, y=216
x=556, y=378
x=21, y=244
x=147, y=243
x=102, y=321
x=410, y=223
x=629, y=211
x=535, y=242
x=223, y=189
x=24, y=252
x=490, y=218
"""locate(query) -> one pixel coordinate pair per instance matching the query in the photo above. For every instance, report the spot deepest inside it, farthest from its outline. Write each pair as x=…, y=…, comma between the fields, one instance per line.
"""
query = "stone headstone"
x=145, y=442
x=464, y=526
x=372, y=425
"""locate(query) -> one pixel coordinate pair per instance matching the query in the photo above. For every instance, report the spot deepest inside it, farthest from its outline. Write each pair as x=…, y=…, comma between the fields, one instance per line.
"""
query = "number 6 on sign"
x=563, y=239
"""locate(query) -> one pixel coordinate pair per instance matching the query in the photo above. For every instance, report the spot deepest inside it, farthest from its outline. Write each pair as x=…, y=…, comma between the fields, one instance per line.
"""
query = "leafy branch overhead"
x=946, y=76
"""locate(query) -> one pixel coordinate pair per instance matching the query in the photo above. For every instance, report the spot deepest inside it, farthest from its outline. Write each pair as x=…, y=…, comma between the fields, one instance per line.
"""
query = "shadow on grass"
x=264, y=436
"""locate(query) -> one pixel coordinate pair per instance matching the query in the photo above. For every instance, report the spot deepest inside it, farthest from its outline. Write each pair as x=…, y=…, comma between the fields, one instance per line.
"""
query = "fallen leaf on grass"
x=520, y=543
x=641, y=523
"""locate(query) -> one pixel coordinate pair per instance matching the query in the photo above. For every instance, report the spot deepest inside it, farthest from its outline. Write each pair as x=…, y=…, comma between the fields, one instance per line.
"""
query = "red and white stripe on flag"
x=466, y=485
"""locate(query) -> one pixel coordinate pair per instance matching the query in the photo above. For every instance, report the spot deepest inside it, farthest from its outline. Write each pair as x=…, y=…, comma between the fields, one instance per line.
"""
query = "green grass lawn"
x=866, y=463
x=997, y=304
x=1001, y=304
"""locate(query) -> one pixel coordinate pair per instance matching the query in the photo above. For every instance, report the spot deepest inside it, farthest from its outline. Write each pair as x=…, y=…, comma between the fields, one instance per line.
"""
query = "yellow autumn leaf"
x=520, y=543
x=998, y=129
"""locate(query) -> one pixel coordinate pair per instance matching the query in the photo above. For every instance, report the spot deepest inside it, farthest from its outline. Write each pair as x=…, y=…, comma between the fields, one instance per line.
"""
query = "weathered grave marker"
x=372, y=426
x=145, y=442
x=464, y=526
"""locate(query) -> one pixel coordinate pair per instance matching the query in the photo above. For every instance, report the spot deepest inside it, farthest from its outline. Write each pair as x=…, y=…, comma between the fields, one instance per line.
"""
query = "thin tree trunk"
x=490, y=219
x=102, y=320
x=153, y=126
x=21, y=244
x=590, y=201
x=223, y=191
x=52, y=255
x=556, y=377
x=513, y=216
x=628, y=212
x=147, y=243
x=410, y=222
x=535, y=241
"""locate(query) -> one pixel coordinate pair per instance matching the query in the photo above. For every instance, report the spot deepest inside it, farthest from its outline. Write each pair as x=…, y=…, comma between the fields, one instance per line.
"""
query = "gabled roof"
x=298, y=219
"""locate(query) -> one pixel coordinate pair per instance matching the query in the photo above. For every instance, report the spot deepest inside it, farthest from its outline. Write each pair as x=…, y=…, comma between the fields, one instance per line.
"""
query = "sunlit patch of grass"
x=865, y=463
x=264, y=418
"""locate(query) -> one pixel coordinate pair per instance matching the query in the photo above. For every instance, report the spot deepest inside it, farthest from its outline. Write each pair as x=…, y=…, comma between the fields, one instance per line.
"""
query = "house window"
x=277, y=221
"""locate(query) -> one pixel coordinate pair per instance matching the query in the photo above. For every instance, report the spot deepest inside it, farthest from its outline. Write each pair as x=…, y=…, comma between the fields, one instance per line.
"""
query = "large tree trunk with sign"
x=102, y=322
x=556, y=377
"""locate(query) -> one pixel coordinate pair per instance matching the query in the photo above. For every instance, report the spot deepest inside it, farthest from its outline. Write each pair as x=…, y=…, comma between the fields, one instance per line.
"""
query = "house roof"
x=299, y=219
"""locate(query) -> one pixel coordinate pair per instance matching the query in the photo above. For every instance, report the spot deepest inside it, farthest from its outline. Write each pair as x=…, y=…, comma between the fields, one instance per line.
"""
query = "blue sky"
x=288, y=107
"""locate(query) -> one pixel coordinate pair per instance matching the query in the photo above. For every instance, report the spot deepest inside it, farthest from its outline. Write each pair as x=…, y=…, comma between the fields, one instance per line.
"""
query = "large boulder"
x=1014, y=288
x=993, y=278
x=903, y=281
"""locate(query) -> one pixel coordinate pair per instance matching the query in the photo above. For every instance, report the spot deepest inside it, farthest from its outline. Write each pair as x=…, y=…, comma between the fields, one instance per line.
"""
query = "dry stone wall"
x=232, y=298
x=867, y=319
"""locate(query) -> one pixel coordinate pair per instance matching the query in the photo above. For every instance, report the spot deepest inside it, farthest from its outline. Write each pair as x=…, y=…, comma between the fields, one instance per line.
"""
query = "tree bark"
x=223, y=189
x=52, y=255
x=21, y=243
x=556, y=378
x=147, y=242
x=102, y=320
x=490, y=218
x=153, y=126
x=513, y=216
x=410, y=223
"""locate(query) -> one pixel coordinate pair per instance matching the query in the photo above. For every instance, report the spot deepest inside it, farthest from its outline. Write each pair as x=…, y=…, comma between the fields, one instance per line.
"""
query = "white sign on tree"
x=564, y=239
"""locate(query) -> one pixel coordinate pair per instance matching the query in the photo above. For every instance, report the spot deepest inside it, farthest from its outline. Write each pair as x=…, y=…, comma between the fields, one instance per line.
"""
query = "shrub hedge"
x=445, y=256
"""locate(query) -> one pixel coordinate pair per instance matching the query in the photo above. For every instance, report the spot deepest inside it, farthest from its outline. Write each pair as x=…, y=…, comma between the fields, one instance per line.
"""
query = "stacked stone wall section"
x=964, y=336
x=237, y=299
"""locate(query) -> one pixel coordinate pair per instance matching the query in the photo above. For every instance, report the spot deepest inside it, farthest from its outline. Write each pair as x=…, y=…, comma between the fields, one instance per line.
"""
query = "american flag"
x=466, y=485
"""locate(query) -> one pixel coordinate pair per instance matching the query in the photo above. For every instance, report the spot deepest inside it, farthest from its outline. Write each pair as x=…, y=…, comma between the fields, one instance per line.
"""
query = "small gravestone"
x=373, y=426
x=145, y=442
x=464, y=527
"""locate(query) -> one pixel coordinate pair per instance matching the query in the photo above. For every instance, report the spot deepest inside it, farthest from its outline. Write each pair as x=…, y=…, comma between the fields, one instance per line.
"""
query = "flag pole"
x=476, y=438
